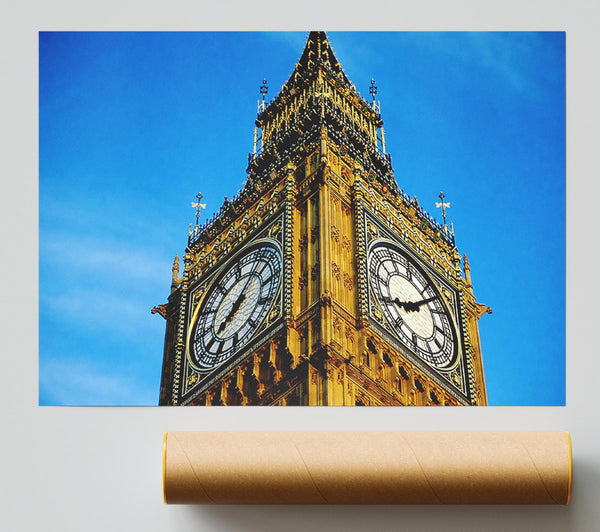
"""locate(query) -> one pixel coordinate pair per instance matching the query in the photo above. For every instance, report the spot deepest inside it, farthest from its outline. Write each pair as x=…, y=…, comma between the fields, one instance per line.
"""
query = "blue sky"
x=133, y=125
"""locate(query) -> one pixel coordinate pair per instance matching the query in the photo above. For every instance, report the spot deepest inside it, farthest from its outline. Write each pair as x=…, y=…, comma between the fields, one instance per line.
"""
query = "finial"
x=444, y=206
x=467, y=269
x=264, y=88
x=175, y=272
x=198, y=206
x=373, y=90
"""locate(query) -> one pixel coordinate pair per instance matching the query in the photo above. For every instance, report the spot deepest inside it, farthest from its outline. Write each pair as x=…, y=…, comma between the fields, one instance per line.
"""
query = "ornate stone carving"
x=274, y=230
x=335, y=270
x=337, y=325
x=482, y=309
x=303, y=280
x=302, y=242
x=348, y=281
x=373, y=231
x=161, y=310
x=335, y=233
x=326, y=298
x=377, y=314
x=274, y=314
x=192, y=379
x=456, y=378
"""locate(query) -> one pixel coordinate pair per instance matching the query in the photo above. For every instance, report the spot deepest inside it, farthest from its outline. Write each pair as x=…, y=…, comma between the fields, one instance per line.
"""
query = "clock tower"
x=322, y=282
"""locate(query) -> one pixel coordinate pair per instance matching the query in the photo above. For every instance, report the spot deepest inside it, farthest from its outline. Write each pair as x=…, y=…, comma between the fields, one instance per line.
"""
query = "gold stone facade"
x=321, y=193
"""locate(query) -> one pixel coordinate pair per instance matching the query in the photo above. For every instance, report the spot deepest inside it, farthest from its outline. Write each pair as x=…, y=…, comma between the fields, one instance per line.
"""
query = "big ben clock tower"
x=322, y=282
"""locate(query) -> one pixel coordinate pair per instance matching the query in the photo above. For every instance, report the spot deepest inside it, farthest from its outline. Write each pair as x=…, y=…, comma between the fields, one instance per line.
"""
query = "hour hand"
x=236, y=305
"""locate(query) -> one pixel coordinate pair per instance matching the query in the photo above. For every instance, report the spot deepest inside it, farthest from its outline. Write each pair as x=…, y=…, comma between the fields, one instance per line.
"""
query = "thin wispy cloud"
x=85, y=384
x=104, y=257
x=117, y=314
x=509, y=59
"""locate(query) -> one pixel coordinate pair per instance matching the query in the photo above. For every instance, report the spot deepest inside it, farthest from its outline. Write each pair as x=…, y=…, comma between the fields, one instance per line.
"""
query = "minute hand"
x=413, y=306
x=235, y=307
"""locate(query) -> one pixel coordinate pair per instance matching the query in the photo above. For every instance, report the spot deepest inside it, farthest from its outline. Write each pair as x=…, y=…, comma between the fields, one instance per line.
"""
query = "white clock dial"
x=234, y=306
x=412, y=306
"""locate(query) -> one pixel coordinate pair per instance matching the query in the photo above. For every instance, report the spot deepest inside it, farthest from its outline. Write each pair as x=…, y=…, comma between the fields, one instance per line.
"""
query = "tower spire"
x=467, y=269
x=318, y=51
x=175, y=272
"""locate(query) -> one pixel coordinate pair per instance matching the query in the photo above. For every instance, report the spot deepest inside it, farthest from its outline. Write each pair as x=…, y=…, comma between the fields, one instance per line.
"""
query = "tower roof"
x=318, y=51
x=317, y=54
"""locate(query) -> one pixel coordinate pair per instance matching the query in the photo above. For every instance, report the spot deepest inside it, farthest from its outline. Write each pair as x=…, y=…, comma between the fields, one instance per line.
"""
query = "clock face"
x=234, y=306
x=412, y=306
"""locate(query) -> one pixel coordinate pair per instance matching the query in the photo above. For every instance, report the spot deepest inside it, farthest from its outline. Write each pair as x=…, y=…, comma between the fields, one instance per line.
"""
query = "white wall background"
x=98, y=469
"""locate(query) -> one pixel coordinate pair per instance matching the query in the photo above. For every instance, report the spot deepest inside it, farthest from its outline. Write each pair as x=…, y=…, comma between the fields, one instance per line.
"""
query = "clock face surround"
x=412, y=305
x=235, y=305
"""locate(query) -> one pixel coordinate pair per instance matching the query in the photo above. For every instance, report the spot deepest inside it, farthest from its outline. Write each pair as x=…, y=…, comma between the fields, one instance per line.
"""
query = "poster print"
x=311, y=267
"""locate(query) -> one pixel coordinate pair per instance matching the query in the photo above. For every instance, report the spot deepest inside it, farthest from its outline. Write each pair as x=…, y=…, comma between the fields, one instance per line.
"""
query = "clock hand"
x=236, y=305
x=234, y=308
x=412, y=306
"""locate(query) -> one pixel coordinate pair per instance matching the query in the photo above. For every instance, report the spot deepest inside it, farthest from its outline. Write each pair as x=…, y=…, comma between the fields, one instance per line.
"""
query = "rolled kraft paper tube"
x=367, y=467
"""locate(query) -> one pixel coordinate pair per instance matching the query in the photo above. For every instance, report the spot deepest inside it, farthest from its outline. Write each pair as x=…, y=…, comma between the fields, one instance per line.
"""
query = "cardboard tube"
x=367, y=467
